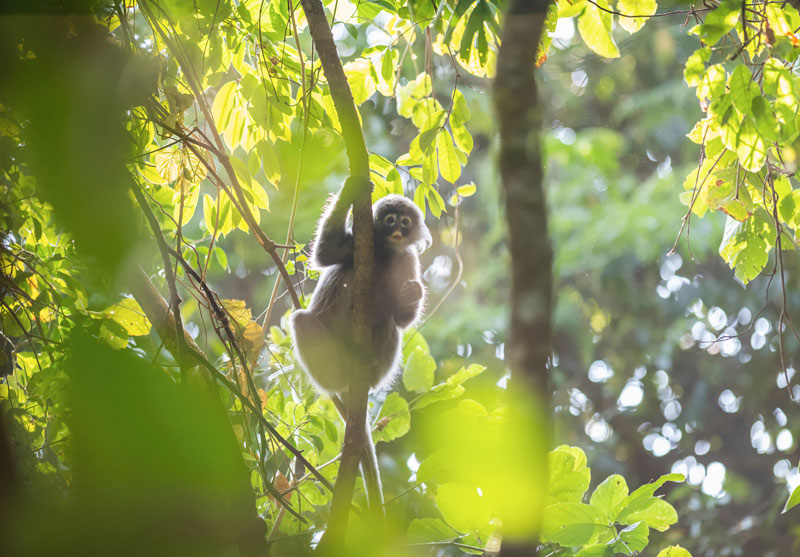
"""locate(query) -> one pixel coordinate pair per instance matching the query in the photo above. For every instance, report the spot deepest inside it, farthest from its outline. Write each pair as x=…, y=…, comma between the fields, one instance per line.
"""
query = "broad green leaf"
x=435, y=203
x=765, y=120
x=394, y=419
x=461, y=135
x=674, y=551
x=632, y=539
x=751, y=147
x=712, y=83
x=724, y=195
x=419, y=371
x=269, y=161
x=789, y=209
x=460, y=107
x=745, y=246
x=793, y=500
x=238, y=311
x=719, y=21
x=570, y=8
x=464, y=374
x=422, y=530
x=571, y=524
x=448, y=162
x=609, y=494
x=475, y=33
x=594, y=26
x=130, y=315
x=361, y=83
x=638, y=8
x=569, y=476
x=659, y=514
x=224, y=105
x=169, y=163
x=743, y=89
x=642, y=497
x=695, y=66
x=596, y=550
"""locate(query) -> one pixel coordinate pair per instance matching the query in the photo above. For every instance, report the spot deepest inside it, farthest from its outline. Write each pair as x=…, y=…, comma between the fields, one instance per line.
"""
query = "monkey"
x=323, y=339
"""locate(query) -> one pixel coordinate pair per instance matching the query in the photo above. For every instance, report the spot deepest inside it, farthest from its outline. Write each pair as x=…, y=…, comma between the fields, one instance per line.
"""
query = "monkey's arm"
x=333, y=243
x=409, y=301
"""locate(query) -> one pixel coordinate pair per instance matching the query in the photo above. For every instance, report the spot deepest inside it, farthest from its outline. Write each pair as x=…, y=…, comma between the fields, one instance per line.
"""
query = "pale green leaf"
x=571, y=524
x=448, y=162
x=594, y=26
x=793, y=500
x=674, y=551
x=609, y=494
x=637, y=8
x=419, y=371
x=394, y=419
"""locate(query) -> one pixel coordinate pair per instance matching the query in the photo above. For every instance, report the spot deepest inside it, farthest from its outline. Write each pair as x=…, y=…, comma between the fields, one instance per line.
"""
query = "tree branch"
x=355, y=431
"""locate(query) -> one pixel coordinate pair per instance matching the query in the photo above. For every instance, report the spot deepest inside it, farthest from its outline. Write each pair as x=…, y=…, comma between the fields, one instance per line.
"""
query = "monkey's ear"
x=424, y=241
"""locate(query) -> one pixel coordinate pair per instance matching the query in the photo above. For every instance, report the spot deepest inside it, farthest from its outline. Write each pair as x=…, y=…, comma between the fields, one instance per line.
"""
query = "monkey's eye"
x=405, y=221
x=389, y=219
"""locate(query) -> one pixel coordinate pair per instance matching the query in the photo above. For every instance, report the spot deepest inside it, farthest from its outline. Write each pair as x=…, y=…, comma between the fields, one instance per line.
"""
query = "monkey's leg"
x=322, y=354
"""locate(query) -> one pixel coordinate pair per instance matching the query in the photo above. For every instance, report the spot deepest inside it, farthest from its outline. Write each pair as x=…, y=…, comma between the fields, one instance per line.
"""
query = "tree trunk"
x=519, y=115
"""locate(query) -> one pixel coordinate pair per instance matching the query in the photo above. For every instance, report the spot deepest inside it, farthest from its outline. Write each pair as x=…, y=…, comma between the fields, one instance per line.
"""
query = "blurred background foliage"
x=662, y=363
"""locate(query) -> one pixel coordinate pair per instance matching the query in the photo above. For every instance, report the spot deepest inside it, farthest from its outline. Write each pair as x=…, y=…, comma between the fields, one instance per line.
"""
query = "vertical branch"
x=520, y=117
x=356, y=401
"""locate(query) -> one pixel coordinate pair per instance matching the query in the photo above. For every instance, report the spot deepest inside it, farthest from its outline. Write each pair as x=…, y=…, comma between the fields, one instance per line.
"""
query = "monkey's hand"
x=353, y=186
x=408, y=301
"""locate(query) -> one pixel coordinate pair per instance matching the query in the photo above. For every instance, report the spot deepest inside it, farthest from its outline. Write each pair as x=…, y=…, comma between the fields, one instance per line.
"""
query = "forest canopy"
x=164, y=164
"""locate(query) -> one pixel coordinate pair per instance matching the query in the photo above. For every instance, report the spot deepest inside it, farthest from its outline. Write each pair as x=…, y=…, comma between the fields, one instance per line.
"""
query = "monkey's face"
x=400, y=224
x=397, y=228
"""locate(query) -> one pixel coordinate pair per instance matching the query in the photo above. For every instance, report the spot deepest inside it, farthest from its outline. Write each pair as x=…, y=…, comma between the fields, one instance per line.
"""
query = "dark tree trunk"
x=520, y=116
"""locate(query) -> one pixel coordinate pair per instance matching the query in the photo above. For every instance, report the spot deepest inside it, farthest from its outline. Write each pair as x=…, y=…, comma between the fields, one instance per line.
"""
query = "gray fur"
x=323, y=333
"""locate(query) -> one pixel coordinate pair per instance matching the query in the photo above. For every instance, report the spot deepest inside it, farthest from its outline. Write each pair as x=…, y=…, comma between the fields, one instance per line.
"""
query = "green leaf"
x=743, y=89
x=462, y=507
x=476, y=29
x=659, y=514
x=419, y=371
x=793, y=500
x=751, y=147
x=594, y=26
x=361, y=82
x=609, y=494
x=597, y=550
x=632, y=539
x=422, y=530
x=130, y=315
x=765, y=120
x=674, y=551
x=448, y=162
x=394, y=419
x=569, y=475
x=712, y=84
x=638, y=8
x=695, y=66
x=789, y=209
x=745, y=246
x=571, y=524
x=719, y=21
x=641, y=498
